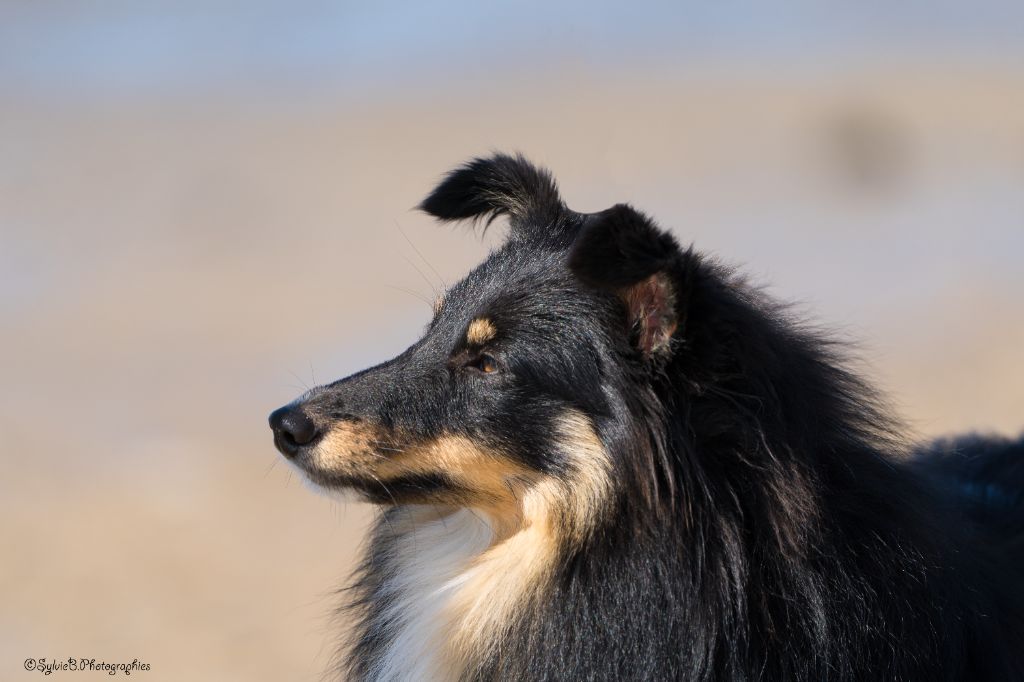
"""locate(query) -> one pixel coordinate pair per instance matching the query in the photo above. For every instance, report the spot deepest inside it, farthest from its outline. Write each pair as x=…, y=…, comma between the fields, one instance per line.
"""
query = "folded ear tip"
x=456, y=197
x=484, y=188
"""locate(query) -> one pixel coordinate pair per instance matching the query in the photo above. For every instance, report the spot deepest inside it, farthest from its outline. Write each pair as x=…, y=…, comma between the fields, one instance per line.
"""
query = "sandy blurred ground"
x=173, y=268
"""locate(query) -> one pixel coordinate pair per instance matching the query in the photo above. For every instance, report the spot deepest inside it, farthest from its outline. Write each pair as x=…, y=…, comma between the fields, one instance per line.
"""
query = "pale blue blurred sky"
x=69, y=49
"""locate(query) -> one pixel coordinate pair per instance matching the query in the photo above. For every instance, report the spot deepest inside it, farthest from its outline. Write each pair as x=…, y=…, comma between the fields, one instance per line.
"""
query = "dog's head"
x=535, y=369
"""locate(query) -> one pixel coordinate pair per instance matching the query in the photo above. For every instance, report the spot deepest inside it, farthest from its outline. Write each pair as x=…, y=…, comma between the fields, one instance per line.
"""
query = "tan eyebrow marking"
x=480, y=331
x=438, y=302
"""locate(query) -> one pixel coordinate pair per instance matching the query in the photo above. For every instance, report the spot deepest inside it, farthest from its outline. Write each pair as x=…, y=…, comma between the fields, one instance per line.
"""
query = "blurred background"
x=205, y=208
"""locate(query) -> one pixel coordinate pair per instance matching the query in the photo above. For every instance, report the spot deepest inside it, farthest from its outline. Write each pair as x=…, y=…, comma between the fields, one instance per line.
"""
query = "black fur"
x=984, y=477
x=767, y=522
x=621, y=246
x=502, y=185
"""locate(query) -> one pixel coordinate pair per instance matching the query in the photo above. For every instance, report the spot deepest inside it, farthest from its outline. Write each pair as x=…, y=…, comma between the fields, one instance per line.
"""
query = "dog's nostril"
x=292, y=429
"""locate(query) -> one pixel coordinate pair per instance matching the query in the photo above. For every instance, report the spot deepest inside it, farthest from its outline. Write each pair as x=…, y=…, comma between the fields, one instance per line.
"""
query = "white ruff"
x=427, y=565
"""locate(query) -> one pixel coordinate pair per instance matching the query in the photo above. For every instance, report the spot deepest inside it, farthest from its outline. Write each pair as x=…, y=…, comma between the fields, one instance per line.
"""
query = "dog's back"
x=984, y=477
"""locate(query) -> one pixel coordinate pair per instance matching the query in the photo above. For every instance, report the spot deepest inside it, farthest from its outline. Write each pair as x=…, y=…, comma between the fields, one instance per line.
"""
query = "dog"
x=611, y=458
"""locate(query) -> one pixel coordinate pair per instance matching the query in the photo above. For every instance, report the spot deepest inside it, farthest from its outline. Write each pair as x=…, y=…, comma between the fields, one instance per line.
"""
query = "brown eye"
x=484, y=363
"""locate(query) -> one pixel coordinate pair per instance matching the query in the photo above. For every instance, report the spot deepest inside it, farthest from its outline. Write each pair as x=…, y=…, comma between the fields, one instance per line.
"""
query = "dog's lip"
x=422, y=487
x=369, y=489
x=328, y=479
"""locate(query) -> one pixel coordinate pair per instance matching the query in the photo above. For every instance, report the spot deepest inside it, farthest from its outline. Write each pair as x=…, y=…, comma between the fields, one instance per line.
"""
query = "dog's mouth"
x=379, y=467
x=406, y=489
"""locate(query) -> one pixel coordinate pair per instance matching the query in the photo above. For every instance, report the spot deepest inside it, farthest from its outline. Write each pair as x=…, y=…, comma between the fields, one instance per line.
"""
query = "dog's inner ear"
x=622, y=251
x=651, y=307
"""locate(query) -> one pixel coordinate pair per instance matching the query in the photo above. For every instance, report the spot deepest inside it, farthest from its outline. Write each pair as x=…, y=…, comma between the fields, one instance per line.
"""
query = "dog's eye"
x=483, y=363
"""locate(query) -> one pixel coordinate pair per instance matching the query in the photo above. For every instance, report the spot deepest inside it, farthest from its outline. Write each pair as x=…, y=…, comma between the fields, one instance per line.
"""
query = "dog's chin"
x=332, y=492
x=326, y=484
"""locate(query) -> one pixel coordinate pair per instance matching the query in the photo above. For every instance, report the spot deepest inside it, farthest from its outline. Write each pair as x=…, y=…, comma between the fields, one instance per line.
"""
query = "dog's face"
x=522, y=381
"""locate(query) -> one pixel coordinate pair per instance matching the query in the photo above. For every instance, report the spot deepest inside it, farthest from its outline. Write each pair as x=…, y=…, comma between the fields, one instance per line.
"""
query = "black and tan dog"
x=609, y=458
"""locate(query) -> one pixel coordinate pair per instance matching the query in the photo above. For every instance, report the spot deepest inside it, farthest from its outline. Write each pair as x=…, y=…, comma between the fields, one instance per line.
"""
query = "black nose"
x=293, y=429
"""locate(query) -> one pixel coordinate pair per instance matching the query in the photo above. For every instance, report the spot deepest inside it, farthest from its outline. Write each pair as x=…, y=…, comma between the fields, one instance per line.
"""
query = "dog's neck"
x=452, y=583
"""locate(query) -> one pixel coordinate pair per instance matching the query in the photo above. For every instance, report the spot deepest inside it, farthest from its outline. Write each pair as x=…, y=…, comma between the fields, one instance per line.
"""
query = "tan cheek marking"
x=438, y=304
x=480, y=331
x=507, y=492
x=488, y=476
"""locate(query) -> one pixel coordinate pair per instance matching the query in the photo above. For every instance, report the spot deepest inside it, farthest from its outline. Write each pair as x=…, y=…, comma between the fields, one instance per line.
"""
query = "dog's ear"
x=622, y=251
x=486, y=188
